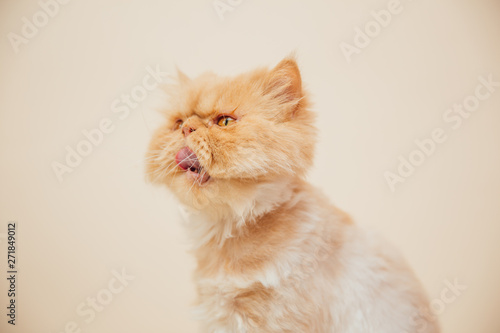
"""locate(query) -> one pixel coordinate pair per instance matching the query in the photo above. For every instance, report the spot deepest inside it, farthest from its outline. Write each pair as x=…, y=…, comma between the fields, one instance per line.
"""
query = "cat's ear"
x=181, y=77
x=284, y=84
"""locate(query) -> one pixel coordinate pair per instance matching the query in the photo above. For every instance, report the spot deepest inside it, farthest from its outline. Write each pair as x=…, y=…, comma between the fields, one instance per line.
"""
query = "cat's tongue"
x=187, y=160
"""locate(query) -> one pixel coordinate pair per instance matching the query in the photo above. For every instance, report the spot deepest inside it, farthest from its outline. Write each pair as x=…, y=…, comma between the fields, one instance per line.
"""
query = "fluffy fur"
x=273, y=254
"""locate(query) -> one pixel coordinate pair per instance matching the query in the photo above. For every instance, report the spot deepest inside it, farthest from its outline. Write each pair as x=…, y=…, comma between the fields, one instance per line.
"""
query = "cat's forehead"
x=209, y=95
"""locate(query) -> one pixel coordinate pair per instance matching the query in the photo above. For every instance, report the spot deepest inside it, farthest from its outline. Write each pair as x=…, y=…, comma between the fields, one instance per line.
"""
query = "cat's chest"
x=225, y=274
x=229, y=299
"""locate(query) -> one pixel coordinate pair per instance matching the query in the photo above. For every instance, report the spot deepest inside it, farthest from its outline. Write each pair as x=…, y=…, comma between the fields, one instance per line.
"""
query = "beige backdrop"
x=68, y=74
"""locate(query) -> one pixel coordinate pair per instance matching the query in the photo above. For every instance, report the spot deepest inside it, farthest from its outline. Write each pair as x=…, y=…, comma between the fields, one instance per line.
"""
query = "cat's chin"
x=201, y=178
x=234, y=200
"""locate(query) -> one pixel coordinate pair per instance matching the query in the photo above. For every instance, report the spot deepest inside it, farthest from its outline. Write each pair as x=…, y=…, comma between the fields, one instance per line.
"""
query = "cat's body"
x=273, y=255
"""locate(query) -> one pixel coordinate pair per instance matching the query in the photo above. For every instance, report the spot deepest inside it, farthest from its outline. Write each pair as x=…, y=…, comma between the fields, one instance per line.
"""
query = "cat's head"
x=223, y=137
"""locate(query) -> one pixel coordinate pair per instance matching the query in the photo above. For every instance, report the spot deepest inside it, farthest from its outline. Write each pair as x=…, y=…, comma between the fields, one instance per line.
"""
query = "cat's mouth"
x=187, y=160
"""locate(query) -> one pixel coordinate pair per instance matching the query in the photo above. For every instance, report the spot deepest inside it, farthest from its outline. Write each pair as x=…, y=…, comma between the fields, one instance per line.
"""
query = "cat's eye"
x=225, y=121
x=178, y=124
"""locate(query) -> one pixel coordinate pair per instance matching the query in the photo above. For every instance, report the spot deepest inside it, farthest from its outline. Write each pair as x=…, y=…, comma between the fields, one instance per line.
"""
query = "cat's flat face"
x=224, y=135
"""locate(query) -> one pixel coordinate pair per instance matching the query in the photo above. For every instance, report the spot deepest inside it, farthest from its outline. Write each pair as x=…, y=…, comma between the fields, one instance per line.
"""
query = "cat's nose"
x=187, y=130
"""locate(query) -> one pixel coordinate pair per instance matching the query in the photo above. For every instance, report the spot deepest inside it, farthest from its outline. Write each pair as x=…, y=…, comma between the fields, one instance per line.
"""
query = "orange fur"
x=273, y=254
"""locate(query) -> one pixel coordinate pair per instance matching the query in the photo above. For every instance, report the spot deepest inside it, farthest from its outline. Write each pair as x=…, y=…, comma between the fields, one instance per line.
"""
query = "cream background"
x=445, y=218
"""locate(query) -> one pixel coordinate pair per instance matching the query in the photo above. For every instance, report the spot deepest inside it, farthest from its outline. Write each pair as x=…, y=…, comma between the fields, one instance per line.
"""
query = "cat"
x=273, y=255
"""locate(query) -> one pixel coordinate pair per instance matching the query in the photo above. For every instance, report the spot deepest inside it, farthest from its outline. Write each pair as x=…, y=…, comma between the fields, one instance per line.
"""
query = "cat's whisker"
x=202, y=175
x=166, y=170
x=190, y=188
x=161, y=170
x=185, y=159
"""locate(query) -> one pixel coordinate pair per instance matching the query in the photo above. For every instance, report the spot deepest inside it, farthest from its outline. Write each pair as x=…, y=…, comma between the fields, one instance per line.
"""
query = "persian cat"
x=273, y=255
